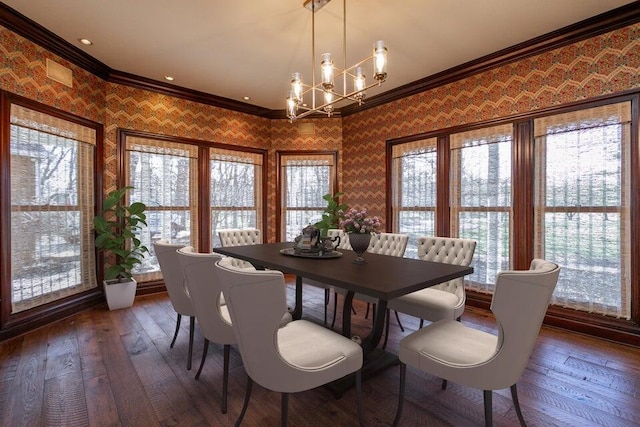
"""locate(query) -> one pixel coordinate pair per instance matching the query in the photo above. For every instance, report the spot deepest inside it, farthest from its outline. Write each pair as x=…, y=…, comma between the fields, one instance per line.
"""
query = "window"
x=481, y=199
x=582, y=218
x=304, y=179
x=236, y=190
x=52, y=208
x=164, y=176
x=413, y=190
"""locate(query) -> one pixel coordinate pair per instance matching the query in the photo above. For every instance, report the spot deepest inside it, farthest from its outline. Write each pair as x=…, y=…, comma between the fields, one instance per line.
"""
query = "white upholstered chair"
x=209, y=306
x=474, y=358
x=240, y=237
x=443, y=301
x=392, y=244
x=178, y=294
x=297, y=357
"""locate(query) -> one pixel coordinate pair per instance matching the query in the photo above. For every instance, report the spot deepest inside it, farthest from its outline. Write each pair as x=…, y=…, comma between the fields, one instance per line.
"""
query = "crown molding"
x=591, y=27
x=31, y=30
x=144, y=83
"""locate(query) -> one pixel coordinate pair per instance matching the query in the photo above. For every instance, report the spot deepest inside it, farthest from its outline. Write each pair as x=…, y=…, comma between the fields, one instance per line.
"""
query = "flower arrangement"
x=357, y=221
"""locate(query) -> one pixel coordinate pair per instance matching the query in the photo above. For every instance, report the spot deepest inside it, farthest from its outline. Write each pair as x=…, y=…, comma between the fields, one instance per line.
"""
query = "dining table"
x=381, y=276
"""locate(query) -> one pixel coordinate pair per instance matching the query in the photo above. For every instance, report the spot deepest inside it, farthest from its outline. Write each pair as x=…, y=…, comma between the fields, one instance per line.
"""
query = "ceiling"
x=238, y=48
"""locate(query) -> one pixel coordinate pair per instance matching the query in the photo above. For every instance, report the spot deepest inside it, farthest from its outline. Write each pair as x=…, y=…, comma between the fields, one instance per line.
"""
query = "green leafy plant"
x=116, y=231
x=332, y=213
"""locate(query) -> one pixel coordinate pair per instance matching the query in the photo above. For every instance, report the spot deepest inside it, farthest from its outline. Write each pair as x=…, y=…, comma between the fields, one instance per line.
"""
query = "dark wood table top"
x=383, y=277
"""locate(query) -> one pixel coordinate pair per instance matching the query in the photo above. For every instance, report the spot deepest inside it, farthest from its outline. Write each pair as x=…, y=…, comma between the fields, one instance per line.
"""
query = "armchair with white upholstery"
x=392, y=244
x=297, y=357
x=240, y=237
x=209, y=306
x=443, y=301
x=178, y=294
x=474, y=358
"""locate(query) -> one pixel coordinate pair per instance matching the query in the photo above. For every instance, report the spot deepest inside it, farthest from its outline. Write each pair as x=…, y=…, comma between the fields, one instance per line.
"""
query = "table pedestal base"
x=377, y=361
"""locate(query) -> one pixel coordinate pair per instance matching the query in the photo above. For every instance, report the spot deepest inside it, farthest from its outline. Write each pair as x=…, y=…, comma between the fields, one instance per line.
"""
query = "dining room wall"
x=117, y=106
x=602, y=65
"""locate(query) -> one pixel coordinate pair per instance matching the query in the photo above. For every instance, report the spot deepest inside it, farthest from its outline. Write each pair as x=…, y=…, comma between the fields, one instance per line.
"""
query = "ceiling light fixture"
x=169, y=78
x=85, y=42
x=332, y=76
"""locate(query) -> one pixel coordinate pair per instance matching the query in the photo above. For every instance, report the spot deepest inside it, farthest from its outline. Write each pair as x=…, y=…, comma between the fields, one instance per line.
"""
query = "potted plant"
x=116, y=229
x=332, y=213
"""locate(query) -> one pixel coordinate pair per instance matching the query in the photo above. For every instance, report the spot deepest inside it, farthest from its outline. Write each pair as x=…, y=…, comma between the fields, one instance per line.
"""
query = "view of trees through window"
x=481, y=199
x=306, y=180
x=414, y=194
x=235, y=192
x=47, y=220
x=582, y=220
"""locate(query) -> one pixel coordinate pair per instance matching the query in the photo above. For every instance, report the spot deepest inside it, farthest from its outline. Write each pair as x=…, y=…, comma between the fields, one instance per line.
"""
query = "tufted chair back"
x=393, y=244
x=240, y=237
x=344, y=239
x=448, y=250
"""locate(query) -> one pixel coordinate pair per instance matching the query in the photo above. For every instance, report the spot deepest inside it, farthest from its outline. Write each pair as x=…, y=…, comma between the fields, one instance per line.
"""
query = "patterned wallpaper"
x=601, y=65
x=598, y=66
x=23, y=71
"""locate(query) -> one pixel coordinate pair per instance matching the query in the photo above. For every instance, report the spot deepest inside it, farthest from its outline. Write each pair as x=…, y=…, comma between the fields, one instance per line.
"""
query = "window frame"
x=523, y=214
x=11, y=324
x=280, y=181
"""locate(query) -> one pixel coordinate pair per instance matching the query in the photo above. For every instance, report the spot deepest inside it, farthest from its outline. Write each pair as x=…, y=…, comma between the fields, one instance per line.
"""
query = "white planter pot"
x=119, y=294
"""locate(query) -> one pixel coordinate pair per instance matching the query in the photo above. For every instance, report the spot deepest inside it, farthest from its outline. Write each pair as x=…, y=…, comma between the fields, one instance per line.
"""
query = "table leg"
x=296, y=313
x=375, y=359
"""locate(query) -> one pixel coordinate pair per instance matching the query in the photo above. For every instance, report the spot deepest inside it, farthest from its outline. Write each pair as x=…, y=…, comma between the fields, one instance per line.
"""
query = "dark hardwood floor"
x=101, y=368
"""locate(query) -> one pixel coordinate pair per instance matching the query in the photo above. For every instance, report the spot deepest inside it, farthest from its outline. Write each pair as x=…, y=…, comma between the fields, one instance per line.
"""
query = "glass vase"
x=359, y=243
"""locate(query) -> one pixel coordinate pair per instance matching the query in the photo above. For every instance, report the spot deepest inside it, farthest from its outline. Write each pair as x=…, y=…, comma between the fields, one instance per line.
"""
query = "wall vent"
x=306, y=128
x=59, y=73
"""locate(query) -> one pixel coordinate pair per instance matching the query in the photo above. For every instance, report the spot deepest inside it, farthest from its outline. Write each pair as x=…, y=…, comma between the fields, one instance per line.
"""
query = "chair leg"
x=247, y=396
x=204, y=357
x=399, y=322
x=178, y=320
x=284, y=411
x=488, y=408
x=327, y=295
x=421, y=323
x=366, y=315
x=444, y=384
x=403, y=375
x=516, y=404
x=386, y=329
x=335, y=308
x=192, y=330
x=225, y=377
x=359, y=396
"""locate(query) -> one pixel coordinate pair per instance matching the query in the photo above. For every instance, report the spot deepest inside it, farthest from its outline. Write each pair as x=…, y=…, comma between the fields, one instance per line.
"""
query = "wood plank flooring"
x=102, y=368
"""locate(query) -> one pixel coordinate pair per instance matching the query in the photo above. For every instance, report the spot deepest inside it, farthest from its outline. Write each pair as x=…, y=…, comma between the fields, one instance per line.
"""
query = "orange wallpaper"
x=601, y=65
x=23, y=72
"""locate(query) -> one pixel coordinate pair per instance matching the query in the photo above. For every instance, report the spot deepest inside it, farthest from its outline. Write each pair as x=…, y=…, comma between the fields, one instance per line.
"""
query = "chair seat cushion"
x=313, y=347
x=449, y=342
x=429, y=304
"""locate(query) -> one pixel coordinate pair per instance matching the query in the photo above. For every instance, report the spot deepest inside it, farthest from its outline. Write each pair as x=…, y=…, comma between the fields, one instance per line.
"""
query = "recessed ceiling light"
x=246, y=98
x=85, y=42
x=169, y=78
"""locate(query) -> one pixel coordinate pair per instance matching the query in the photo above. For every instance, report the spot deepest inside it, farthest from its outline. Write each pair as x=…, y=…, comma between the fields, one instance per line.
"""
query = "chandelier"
x=305, y=99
